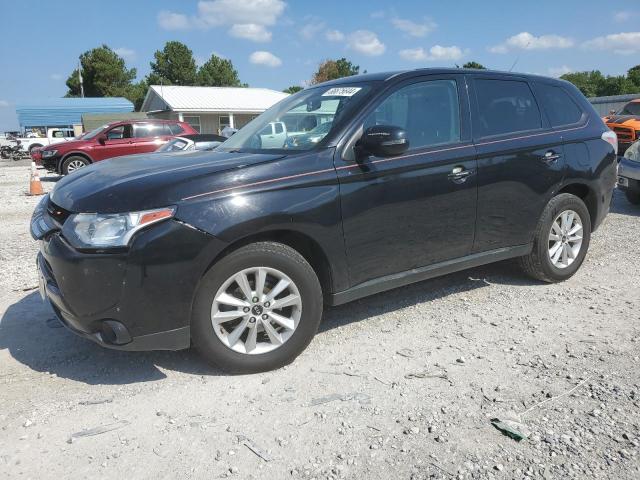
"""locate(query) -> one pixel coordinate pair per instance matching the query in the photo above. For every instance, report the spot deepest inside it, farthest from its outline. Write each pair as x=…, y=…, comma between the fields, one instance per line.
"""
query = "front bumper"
x=629, y=175
x=138, y=299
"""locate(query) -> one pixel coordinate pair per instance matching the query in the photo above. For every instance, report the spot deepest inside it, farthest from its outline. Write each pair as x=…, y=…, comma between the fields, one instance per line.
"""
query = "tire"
x=274, y=257
x=73, y=163
x=538, y=264
x=633, y=196
x=31, y=147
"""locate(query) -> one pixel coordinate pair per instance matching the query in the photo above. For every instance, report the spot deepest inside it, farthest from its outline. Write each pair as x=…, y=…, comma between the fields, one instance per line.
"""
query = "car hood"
x=142, y=182
x=67, y=145
x=622, y=119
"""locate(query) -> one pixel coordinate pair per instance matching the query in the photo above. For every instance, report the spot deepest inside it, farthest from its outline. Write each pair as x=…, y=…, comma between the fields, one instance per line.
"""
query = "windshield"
x=631, y=108
x=93, y=133
x=174, y=145
x=315, y=111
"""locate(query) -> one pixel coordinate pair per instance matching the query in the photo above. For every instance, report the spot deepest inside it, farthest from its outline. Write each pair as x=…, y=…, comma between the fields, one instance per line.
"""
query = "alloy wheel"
x=256, y=310
x=565, y=239
x=75, y=165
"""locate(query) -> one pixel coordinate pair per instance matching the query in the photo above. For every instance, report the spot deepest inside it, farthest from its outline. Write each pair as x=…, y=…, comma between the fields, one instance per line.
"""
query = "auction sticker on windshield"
x=341, y=91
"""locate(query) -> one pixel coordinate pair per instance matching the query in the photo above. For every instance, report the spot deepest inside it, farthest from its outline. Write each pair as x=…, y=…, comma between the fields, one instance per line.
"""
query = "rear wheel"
x=256, y=309
x=561, y=240
x=633, y=196
x=72, y=164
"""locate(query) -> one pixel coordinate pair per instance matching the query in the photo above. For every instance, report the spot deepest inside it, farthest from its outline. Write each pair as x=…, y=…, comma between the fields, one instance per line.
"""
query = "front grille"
x=626, y=134
x=57, y=213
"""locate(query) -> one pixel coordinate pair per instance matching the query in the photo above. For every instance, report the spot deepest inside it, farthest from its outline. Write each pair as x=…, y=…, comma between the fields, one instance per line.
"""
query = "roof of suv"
x=385, y=76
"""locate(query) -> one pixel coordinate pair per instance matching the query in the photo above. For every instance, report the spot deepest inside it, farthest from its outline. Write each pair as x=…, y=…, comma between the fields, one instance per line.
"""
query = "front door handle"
x=460, y=174
x=551, y=157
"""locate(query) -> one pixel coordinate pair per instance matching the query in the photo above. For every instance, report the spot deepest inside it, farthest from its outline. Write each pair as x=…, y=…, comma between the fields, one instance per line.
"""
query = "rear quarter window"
x=505, y=106
x=176, y=128
x=558, y=105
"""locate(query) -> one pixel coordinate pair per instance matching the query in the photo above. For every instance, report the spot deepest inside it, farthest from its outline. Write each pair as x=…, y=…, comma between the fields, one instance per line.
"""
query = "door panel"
x=408, y=211
x=519, y=168
x=117, y=143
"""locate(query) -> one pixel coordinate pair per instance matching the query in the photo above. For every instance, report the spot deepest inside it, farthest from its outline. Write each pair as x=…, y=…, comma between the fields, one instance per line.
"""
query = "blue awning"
x=57, y=112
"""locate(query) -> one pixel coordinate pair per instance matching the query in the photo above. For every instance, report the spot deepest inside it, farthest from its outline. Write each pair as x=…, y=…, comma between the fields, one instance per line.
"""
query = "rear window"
x=505, y=106
x=558, y=105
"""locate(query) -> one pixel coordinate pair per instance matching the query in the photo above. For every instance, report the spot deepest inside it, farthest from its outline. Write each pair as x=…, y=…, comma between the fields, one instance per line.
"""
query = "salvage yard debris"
x=90, y=432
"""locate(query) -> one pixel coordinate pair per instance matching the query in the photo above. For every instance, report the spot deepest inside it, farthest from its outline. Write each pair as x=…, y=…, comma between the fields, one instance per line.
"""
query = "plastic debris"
x=510, y=428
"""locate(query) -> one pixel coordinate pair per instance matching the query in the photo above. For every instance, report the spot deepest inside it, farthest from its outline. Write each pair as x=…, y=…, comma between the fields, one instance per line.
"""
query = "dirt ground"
x=402, y=385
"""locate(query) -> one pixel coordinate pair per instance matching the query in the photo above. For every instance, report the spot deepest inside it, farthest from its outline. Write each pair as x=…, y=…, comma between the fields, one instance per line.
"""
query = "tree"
x=104, y=74
x=475, y=65
x=589, y=83
x=218, y=72
x=174, y=65
x=332, y=69
x=292, y=89
x=634, y=76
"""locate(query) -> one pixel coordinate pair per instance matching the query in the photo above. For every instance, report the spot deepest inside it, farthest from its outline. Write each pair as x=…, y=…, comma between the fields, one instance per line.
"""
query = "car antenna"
x=518, y=57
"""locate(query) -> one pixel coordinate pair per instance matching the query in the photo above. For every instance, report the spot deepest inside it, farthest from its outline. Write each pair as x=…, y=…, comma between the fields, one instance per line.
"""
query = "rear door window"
x=144, y=130
x=560, y=108
x=505, y=106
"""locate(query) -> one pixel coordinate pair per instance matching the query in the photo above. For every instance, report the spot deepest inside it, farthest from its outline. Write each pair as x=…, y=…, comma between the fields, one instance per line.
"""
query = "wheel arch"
x=305, y=245
x=586, y=194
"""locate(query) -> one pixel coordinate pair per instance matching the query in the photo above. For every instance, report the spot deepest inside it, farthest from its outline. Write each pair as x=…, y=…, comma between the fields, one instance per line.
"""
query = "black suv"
x=418, y=174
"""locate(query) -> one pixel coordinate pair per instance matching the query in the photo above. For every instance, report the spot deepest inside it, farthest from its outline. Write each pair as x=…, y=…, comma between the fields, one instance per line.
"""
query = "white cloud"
x=366, y=42
x=625, y=43
x=378, y=14
x=173, y=21
x=125, y=53
x=267, y=59
x=622, y=16
x=435, y=53
x=247, y=19
x=250, y=31
x=412, y=28
x=4, y=103
x=311, y=30
x=55, y=76
x=527, y=41
x=559, y=71
x=334, y=35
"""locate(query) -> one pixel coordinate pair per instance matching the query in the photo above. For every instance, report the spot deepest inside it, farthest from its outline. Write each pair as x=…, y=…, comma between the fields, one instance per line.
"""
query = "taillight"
x=612, y=139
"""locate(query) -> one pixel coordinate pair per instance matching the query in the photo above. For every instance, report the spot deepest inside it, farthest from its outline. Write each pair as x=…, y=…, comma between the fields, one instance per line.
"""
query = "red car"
x=112, y=140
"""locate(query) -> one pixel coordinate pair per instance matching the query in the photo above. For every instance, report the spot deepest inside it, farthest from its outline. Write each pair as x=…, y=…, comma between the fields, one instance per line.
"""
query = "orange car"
x=626, y=124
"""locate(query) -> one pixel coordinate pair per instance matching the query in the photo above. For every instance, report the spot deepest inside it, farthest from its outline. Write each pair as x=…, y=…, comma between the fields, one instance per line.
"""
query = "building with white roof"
x=209, y=109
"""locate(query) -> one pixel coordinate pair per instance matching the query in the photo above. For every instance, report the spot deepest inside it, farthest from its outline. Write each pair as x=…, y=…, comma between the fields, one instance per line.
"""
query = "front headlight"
x=110, y=230
x=48, y=153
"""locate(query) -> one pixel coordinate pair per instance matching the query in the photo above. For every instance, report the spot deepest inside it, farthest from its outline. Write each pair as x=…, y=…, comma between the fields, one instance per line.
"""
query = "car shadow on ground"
x=53, y=178
x=35, y=338
x=506, y=272
x=621, y=205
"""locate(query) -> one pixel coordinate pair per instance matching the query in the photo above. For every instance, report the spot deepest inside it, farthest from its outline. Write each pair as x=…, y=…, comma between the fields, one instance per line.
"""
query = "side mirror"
x=102, y=138
x=384, y=141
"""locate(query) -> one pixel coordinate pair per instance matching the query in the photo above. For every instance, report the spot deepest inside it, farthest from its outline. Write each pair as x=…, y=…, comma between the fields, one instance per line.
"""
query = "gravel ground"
x=400, y=385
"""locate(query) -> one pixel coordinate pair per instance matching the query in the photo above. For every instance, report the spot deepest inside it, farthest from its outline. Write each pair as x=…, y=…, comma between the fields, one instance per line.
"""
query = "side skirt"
x=396, y=280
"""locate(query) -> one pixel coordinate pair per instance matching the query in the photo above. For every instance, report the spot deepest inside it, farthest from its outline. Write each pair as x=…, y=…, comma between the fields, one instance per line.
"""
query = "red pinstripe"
x=382, y=160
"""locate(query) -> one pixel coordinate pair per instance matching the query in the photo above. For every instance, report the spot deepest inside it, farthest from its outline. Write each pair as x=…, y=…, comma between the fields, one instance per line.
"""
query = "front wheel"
x=256, y=309
x=561, y=240
x=72, y=164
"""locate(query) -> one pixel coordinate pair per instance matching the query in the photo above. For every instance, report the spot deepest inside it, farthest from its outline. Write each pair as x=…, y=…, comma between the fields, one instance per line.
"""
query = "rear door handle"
x=459, y=174
x=551, y=157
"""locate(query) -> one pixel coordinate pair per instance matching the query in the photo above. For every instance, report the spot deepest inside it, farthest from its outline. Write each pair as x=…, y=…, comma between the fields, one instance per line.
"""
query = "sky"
x=278, y=43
